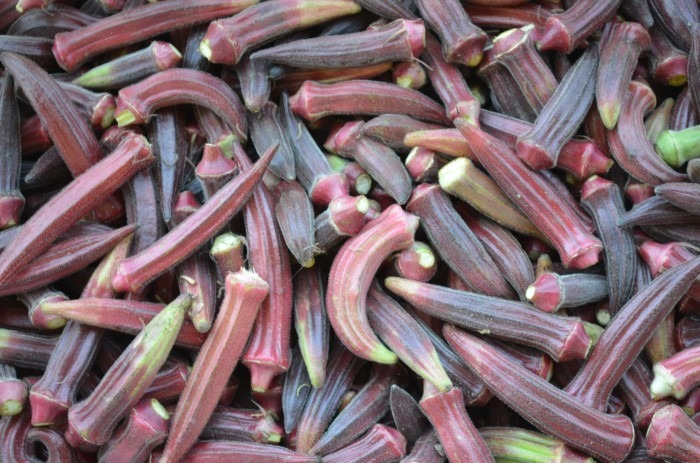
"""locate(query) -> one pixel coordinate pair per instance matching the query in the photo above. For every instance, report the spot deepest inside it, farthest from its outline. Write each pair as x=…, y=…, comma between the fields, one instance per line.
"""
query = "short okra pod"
x=214, y=170
x=669, y=65
x=344, y=217
x=266, y=128
x=255, y=82
x=228, y=252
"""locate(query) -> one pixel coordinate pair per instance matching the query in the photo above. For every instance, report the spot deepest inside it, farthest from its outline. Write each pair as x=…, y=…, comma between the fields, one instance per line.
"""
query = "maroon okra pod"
x=669, y=65
x=381, y=444
x=675, y=19
x=34, y=301
x=214, y=170
x=391, y=9
x=683, y=195
x=228, y=423
x=407, y=415
x=425, y=449
x=240, y=452
x=550, y=291
x=266, y=129
x=344, y=217
x=673, y=436
x=655, y=211
x=311, y=323
x=14, y=392
x=563, y=32
x=26, y=350
x=11, y=198
x=391, y=129
x=633, y=388
x=295, y=391
x=255, y=82
x=295, y=217
x=418, y=262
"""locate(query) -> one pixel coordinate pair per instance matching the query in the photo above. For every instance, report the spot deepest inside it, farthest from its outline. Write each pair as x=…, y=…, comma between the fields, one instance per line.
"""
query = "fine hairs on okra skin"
x=357, y=231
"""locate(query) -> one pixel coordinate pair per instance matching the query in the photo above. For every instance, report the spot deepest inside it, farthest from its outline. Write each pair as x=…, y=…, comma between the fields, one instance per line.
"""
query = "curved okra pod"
x=216, y=361
x=138, y=102
x=629, y=144
x=683, y=195
x=135, y=271
x=351, y=275
x=561, y=337
x=563, y=32
x=577, y=247
x=628, y=333
x=72, y=203
x=72, y=49
x=606, y=437
x=11, y=199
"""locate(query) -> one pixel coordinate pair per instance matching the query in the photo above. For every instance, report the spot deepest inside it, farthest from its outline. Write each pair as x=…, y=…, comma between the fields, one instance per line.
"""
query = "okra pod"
x=563, y=32
x=550, y=291
x=11, y=198
x=14, y=392
x=268, y=128
x=311, y=323
x=381, y=444
x=255, y=82
x=672, y=436
x=228, y=423
x=676, y=375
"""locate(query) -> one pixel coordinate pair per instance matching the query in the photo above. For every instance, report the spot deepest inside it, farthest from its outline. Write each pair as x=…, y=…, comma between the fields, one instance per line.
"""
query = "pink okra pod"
x=458, y=436
x=577, y=247
x=92, y=421
x=662, y=257
x=382, y=444
x=73, y=48
x=135, y=271
x=673, y=436
x=562, y=338
x=550, y=292
x=219, y=451
x=216, y=360
x=677, y=375
x=214, y=170
x=417, y=262
x=391, y=129
x=228, y=39
x=401, y=40
x=72, y=203
x=344, y=217
x=13, y=391
x=138, y=102
x=409, y=74
x=314, y=101
x=351, y=276
x=608, y=438
x=34, y=300
x=11, y=198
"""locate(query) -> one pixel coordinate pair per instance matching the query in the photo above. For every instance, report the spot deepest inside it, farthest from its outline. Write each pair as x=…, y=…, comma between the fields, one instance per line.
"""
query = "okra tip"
x=609, y=113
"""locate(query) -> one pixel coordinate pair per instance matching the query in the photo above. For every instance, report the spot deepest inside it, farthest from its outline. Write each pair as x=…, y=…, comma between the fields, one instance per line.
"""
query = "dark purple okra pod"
x=604, y=202
x=191, y=57
x=145, y=428
x=26, y=350
x=295, y=217
x=606, y=437
x=405, y=338
x=380, y=161
x=628, y=332
x=96, y=108
x=130, y=68
x=562, y=338
x=683, y=195
x=629, y=144
x=240, y=452
x=562, y=114
x=75, y=351
x=228, y=423
x=255, y=83
x=366, y=408
x=295, y=390
x=449, y=83
x=314, y=101
x=11, y=198
x=391, y=129
x=214, y=170
x=311, y=324
x=669, y=65
x=34, y=300
x=550, y=291
x=167, y=135
x=462, y=41
x=633, y=388
x=618, y=58
x=575, y=244
x=324, y=401
x=677, y=375
x=142, y=209
x=456, y=244
x=673, y=436
x=658, y=121
x=425, y=450
x=381, y=444
x=694, y=66
x=458, y=436
x=91, y=422
x=401, y=40
x=391, y=9
x=37, y=49
x=638, y=10
x=266, y=129
x=71, y=49
x=563, y=32
x=311, y=167
x=675, y=18
x=655, y=211
x=407, y=415
x=228, y=39
x=14, y=392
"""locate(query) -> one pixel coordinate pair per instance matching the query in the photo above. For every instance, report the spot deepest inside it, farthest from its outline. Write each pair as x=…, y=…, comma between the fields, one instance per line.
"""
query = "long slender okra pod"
x=627, y=334
x=311, y=323
x=606, y=437
x=241, y=452
x=216, y=360
x=81, y=196
x=351, y=275
x=26, y=350
x=11, y=199
x=184, y=239
x=655, y=211
x=296, y=389
x=71, y=49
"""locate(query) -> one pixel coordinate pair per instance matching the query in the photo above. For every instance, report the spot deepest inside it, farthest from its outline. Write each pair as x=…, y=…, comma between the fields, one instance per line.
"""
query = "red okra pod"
x=417, y=262
x=295, y=391
x=606, y=437
x=228, y=252
x=132, y=67
x=462, y=41
x=26, y=350
x=676, y=375
x=669, y=65
x=618, y=58
x=138, y=102
x=562, y=114
x=145, y=428
x=563, y=32
x=240, y=452
x=351, y=275
x=92, y=421
x=401, y=40
x=314, y=101
x=311, y=323
x=409, y=75
x=66, y=207
x=295, y=217
x=405, y=338
x=675, y=18
x=627, y=334
x=673, y=436
x=423, y=165
x=34, y=137
x=458, y=436
x=576, y=246
x=391, y=129
x=11, y=198
x=135, y=271
x=267, y=128
x=216, y=361
x=449, y=83
x=634, y=391
x=683, y=195
x=71, y=49
x=228, y=39
x=550, y=291
x=197, y=277
x=14, y=392
x=228, y=423
x=324, y=401
x=456, y=244
x=381, y=444
x=562, y=338
x=629, y=144
x=661, y=257
x=368, y=406
x=344, y=217
x=34, y=300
